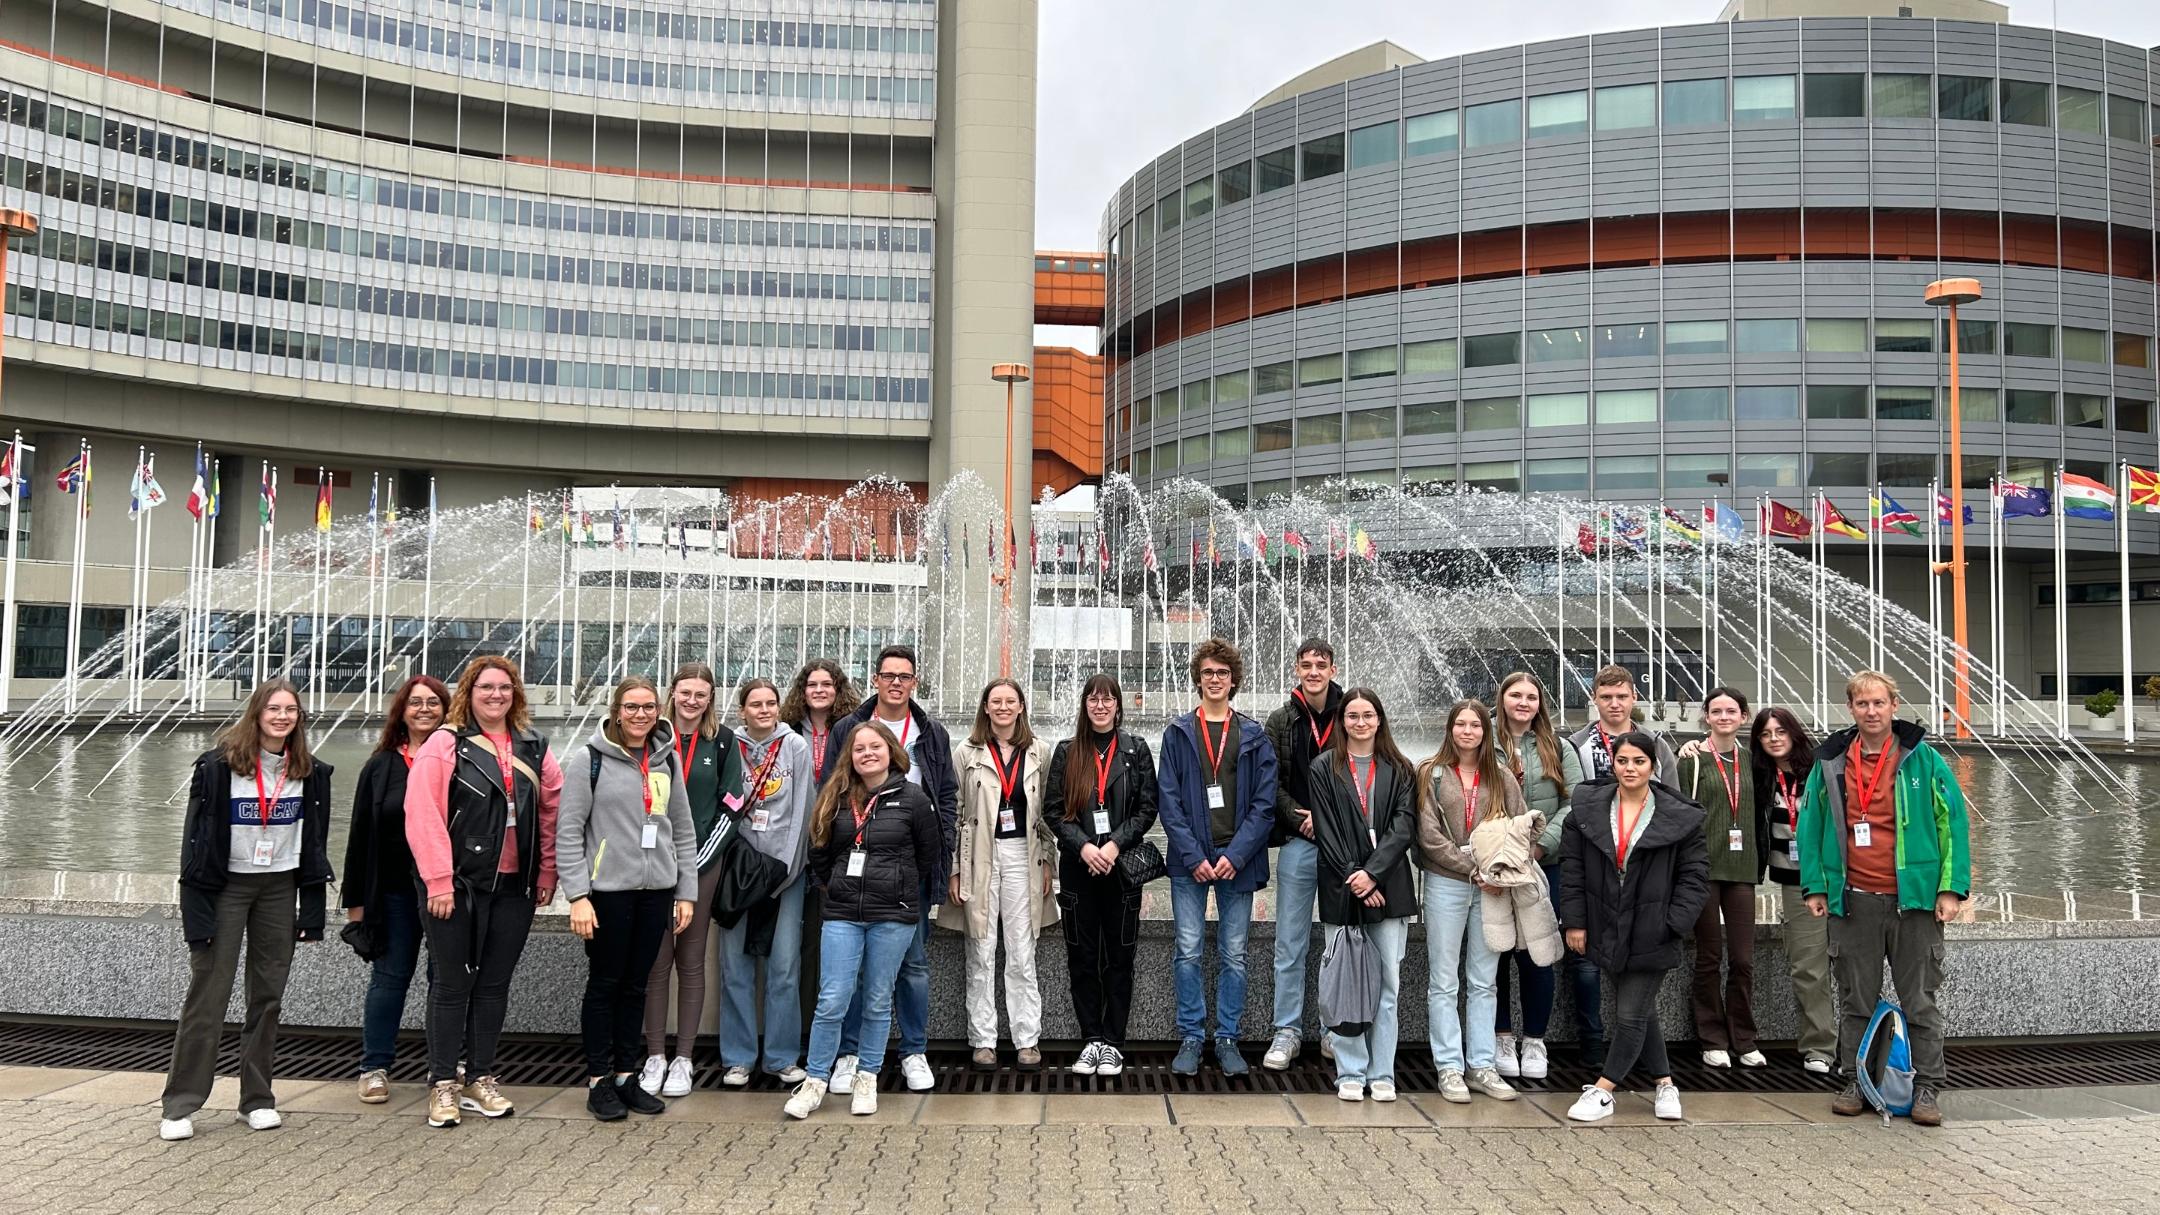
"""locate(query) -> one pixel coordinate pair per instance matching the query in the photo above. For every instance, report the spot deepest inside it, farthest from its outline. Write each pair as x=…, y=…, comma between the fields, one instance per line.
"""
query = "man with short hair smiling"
x=1612, y=691
x=1300, y=730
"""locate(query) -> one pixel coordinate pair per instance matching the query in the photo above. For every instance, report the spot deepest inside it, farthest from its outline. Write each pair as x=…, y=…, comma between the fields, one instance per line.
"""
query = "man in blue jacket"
x=1217, y=772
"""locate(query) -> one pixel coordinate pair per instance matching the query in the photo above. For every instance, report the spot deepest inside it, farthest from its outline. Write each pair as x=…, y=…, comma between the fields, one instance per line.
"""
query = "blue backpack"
x=1888, y=1084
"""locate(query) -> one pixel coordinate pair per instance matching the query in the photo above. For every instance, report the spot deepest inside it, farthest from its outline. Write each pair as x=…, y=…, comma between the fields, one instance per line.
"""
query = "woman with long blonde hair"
x=1548, y=770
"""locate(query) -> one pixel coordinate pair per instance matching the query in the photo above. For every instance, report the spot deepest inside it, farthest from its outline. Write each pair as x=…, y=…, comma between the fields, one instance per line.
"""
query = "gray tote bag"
x=1349, y=983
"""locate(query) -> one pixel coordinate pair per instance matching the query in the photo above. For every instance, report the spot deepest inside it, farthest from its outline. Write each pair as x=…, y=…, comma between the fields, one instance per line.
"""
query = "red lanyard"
x=757, y=782
x=1784, y=791
x=1868, y=783
x=1102, y=772
x=1627, y=828
x=405, y=753
x=1732, y=785
x=1005, y=781
x=683, y=755
x=906, y=723
x=502, y=760
x=644, y=767
x=862, y=817
x=1469, y=814
x=277, y=792
x=1364, y=791
x=817, y=752
x=1319, y=737
x=1214, y=749
x=1605, y=741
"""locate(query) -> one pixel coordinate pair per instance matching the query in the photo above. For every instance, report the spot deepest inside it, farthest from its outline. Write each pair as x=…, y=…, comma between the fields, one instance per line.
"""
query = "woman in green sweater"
x=1547, y=769
x=704, y=746
x=1720, y=777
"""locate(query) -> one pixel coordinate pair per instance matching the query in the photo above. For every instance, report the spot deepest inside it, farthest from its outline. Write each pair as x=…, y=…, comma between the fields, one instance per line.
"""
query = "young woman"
x=770, y=790
x=703, y=748
x=627, y=852
x=480, y=808
x=1547, y=769
x=873, y=836
x=1463, y=784
x=254, y=863
x=1720, y=777
x=1364, y=808
x=1000, y=887
x=1099, y=796
x=821, y=696
x=1782, y=755
x=379, y=885
x=1650, y=834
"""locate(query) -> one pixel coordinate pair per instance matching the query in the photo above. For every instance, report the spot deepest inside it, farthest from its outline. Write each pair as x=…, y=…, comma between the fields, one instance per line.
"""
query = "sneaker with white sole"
x=679, y=1080
x=1488, y=1082
x=843, y=1075
x=484, y=1096
x=1716, y=1058
x=915, y=1069
x=374, y=1086
x=1816, y=1064
x=736, y=1077
x=863, y=1101
x=1504, y=1059
x=1668, y=1102
x=172, y=1130
x=808, y=1096
x=1327, y=1045
x=1113, y=1061
x=263, y=1120
x=1090, y=1057
x=1595, y=1105
x=1349, y=1090
x=651, y=1076
x=1754, y=1058
x=793, y=1073
x=1534, y=1065
x=1282, y=1050
x=1452, y=1087
x=1382, y=1090
x=442, y=1103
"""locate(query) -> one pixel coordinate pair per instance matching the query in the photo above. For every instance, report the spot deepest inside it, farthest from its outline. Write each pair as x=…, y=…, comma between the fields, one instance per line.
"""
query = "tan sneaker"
x=442, y=1105
x=374, y=1087
x=484, y=1098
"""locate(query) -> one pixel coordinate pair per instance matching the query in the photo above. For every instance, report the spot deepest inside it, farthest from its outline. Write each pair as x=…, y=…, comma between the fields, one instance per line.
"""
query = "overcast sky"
x=1123, y=80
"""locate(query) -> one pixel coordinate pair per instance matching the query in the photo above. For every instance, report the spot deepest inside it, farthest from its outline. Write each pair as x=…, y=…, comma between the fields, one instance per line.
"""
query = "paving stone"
x=20, y=1082
x=1325, y=1109
x=1061, y=1109
x=1201, y=1109
x=999, y=1109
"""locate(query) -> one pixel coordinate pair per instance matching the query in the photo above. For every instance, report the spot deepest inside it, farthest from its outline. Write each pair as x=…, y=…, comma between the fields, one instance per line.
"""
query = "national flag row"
x=2082, y=497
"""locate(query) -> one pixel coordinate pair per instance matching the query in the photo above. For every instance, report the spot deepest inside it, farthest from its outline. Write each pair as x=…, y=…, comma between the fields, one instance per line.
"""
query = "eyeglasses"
x=494, y=687
x=1102, y=698
x=1214, y=673
x=640, y=710
x=429, y=703
x=896, y=677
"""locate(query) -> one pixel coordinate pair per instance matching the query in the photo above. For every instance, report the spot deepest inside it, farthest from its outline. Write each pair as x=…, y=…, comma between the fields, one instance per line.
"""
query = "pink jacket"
x=427, y=815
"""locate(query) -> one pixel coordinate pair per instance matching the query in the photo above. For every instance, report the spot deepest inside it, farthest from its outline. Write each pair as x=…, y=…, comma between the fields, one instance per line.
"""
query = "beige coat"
x=978, y=839
x=1516, y=906
x=1442, y=843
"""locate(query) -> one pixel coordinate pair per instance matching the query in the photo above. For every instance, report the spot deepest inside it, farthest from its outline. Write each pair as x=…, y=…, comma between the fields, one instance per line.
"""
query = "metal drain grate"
x=556, y=1062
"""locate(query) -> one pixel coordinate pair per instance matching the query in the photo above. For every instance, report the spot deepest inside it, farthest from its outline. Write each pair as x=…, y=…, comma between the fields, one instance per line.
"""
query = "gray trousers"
x=259, y=910
x=1807, y=948
x=1874, y=931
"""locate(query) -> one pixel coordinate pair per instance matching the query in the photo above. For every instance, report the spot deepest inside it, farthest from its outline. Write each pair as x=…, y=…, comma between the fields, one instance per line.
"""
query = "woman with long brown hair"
x=1547, y=769
x=380, y=888
x=1782, y=755
x=254, y=865
x=704, y=749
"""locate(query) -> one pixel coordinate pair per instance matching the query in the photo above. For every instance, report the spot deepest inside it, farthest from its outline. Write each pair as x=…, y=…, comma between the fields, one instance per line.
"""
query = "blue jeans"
x=1371, y=1055
x=783, y=989
x=1188, y=905
x=911, y=1002
x=390, y=976
x=1297, y=887
x=1455, y=950
x=848, y=952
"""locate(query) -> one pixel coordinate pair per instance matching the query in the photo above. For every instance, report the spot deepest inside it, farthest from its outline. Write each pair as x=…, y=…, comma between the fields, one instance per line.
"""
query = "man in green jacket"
x=1884, y=850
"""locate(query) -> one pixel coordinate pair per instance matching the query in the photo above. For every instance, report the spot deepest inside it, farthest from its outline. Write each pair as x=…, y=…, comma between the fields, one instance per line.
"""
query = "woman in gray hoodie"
x=626, y=852
x=772, y=800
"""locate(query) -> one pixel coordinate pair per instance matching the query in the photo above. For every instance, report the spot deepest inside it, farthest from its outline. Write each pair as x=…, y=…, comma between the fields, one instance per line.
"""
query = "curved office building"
x=1681, y=262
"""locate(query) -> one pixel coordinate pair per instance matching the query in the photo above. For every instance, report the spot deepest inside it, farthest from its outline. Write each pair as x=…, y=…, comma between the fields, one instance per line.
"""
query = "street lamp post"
x=1949, y=293
x=12, y=225
x=1008, y=374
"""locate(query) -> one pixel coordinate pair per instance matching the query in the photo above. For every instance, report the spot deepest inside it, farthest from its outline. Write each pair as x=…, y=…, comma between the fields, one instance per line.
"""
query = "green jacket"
x=1934, y=846
x=1541, y=795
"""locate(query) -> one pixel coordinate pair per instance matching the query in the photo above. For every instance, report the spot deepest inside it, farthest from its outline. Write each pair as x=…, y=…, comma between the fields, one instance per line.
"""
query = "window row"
x=687, y=27
x=525, y=211
x=211, y=332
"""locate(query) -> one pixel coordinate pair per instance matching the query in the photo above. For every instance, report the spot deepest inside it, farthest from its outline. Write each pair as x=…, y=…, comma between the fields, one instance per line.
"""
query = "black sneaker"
x=633, y=1096
x=605, y=1101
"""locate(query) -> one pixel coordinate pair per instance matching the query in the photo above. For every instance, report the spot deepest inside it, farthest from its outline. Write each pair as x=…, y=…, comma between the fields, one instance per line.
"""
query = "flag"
x=1102, y=551
x=373, y=486
x=1034, y=548
x=1363, y=545
x=144, y=493
x=1338, y=541
x=1835, y=522
x=619, y=524
x=585, y=521
x=1889, y=515
x=532, y=517
x=1292, y=538
x=389, y=519
x=1723, y=524
x=1245, y=550
x=682, y=539
x=7, y=464
x=1677, y=522
x=1586, y=539
x=217, y=491
x=1630, y=530
x=71, y=478
x=2144, y=488
x=1782, y=520
x=566, y=516
x=2021, y=501
x=1942, y=509
x=1213, y=555
x=198, y=497
x=1196, y=544
x=1147, y=555
x=266, y=503
x=322, y=500
x=2085, y=498
x=967, y=555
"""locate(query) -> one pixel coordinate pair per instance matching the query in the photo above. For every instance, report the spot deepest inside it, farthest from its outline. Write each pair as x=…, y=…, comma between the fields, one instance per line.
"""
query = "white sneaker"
x=1452, y=1087
x=1281, y=1050
x=843, y=1075
x=1534, y=1066
x=809, y=1095
x=1668, y=1102
x=1716, y=1058
x=1350, y=1090
x=1382, y=1090
x=172, y=1130
x=1754, y=1058
x=1090, y=1056
x=1504, y=1055
x=1595, y=1105
x=678, y=1080
x=1327, y=1045
x=1817, y=1065
x=915, y=1069
x=739, y=1077
x=864, y=1100
x=263, y=1120
x=654, y=1071
x=1113, y=1061
x=1488, y=1082
x=793, y=1073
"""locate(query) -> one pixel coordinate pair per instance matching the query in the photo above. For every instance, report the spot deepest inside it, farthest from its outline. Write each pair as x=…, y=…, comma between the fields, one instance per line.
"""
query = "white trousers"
x=1012, y=918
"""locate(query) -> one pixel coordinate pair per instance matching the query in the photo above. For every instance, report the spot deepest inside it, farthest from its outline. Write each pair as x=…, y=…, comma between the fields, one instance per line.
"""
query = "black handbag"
x=365, y=938
x=1142, y=863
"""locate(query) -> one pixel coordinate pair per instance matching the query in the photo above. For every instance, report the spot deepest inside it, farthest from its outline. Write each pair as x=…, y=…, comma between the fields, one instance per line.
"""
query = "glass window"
x=1430, y=133
x=1168, y=211
x=2125, y=119
x=1492, y=413
x=1904, y=404
x=1143, y=462
x=2030, y=407
x=1974, y=336
x=1318, y=370
x=1694, y=470
x=1428, y=474
x=1558, y=409
x=1425, y=358
x=1836, y=95
x=1768, y=472
x=1231, y=386
x=2077, y=110
x=1766, y=402
x=1559, y=345
x=1234, y=184
x=1694, y=337
x=1766, y=337
x=1695, y=103
x=1322, y=157
x=1839, y=335
x=1429, y=418
x=1195, y=396
x=1836, y=401
x=1901, y=96
x=2133, y=416
x=1324, y=430
x=1274, y=489
x=1762, y=98
x=2084, y=345
x=1371, y=425
x=1199, y=197
x=1978, y=405
x=1196, y=450
x=1627, y=341
x=1143, y=410
x=1166, y=456
x=2133, y=350
x=1965, y=98
x=1837, y=468
x=1372, y=363
x=1559, y=114
x=2084, y=411
x=2023, y=340
x=1233, y=444
x=1503, y=476
x=1491, y=124
x=1491, y=349
x=1627, y=107
x=1373, y=145
x=1695, y=404
x=1626, y=472
x=1905, y=469
x=1166, y=404
x=1277, y=169
x=1271, y=436
x=2025, y=103
x=1626, y=406
x=1903, y=336
x=1557, y=476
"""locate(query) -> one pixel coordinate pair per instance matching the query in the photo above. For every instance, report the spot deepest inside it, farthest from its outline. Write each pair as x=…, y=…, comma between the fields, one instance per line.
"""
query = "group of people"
x=824, y=832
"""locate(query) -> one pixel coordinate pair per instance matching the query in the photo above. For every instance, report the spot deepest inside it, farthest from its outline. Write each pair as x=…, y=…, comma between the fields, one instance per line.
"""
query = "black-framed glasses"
x=1214, y=673
x=896, y=676
x=640, y=710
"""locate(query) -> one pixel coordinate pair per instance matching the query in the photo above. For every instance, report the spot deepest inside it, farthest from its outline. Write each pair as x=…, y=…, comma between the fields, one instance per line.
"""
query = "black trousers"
x=472, y=956
x=1637, y=1037
x=629, y=928
x=1102, y=935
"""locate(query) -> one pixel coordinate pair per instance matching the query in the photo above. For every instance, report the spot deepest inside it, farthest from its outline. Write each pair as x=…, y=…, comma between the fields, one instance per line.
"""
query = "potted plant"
x=2102, y=703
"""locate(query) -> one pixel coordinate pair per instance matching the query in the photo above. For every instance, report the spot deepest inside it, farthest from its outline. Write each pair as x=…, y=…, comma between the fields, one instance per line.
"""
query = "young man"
x=1217, y=799
x=1301, y=729
x=1885, y=853
x=1613, y=691
x=929, y=752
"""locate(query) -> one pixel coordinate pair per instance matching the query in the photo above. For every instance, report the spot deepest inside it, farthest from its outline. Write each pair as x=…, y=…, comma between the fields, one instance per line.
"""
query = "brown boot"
x=1925, y=1112
x=1030, y=1059
x=1849, y=1103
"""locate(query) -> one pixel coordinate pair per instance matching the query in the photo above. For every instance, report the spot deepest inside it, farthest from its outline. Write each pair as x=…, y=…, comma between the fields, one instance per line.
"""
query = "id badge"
x=1102, y=822
x=1005, y=817
x=760, y=819
x=1734, y=841
x=265, y=850
x=1793, y=849
x=650, y=836
x=1214, y=797
x=1861, y=835
x=511, y=819
x=855, y=862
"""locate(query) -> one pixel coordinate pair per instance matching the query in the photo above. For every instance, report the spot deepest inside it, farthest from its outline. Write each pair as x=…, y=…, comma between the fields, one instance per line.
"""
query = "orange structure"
x=1069, y=288
x=1068, y=382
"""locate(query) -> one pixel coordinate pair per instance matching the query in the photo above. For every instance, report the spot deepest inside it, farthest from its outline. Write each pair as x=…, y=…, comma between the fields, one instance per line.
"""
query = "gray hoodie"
x=776, y=819
x=599, y=835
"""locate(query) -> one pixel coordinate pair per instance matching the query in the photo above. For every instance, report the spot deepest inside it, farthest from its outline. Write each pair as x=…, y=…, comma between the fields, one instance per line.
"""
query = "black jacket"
x=1292, y=728
x=206, y=849
x=1637, y=919
x=479, y=808
x=903, y=845
x=377, y=858
x=1339, y=829
x=934, y=748
x=748, y=885
x=1130, y=799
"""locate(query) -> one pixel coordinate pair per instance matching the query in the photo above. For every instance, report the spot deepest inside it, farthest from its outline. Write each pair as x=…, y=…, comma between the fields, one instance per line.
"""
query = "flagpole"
x=2062, y=614
x=195, y=647
x=7, y=615
x=374, y=537
x=75, y=576
x=2122, y=557
x=1934, y=590
x=1708, y=573
x=525, y=590
x=1560, y=663
x=1997, y=635
x=427, y=586
x=131, y=653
